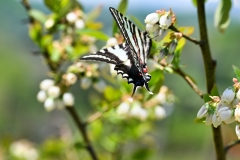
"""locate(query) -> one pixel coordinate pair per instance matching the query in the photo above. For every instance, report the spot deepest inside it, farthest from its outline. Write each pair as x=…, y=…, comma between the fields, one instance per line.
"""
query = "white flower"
x=100, y=86
x=169, y=58
x=215, y=121
x=209, y=119
x=152, y=18
x=237, y=129
x=160, y=112
x=231, y=120
x=79, y=24
x=68, y=99
x=49, y=23
x=85, y=82
x=238, y=94
x=111, y=42
x=237, y=114
x=163, y=53
x=138, y=112
x=224, y=113
x=235, y=102
x=165, y=21
x=228, y=95
x=123, y=108
x=49, y=104
x=71, y=78
x=151, y=27
x=71, y=17
x=202, y=112
x=159, y=34
x=53, y=91
x=45, y=84
x=23, y=149
x=172, y=46
x=41, y=96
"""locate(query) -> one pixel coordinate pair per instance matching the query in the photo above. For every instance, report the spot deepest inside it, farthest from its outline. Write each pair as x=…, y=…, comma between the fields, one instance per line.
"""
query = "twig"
x=209, y=65
x=189, y=81
x=82, y=127
x=185, y=36
x=94, y=117
x=230, y=145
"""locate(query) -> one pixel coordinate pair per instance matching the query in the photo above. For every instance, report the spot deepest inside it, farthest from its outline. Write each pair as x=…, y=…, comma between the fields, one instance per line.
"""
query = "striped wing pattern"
x=130, y=57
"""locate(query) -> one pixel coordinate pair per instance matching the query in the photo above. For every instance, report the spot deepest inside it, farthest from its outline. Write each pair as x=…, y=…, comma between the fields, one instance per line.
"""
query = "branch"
x=189, y=81
x=231, y=145
x=209, y=65
x=185, y=36
x=82, y=128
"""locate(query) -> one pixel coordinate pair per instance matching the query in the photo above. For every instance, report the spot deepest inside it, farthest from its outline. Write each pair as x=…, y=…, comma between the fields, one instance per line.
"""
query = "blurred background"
x=21, y=71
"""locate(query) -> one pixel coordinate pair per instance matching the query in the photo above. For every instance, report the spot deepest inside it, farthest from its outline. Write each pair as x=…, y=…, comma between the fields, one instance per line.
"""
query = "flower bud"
x=53, y=91
x=160, y=112
x=152, y=18
x=49, y=23
x=49, y=104
x=151, y=27
x=160, y=34
x=85, y=82
x=71, y=78
x=68, y=99
x=111, y=42
x=138, y=112
x=165, y=21
x=203, y=111
x=99, y=86
x=215, y=121
x=79, y=24
x=163, y=53
x=228, y=95
x=224, y=114
x=237, y=114
x=172, y=46
x=71, y=17
x=45, y=84
x=237, y=129
x=209, y=119
x=238, y=94
x=41, y=96
x=123, y=108
x=170, y=58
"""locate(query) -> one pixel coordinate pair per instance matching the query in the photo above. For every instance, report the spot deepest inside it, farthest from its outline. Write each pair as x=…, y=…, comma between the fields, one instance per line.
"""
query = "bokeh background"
x=21, y=71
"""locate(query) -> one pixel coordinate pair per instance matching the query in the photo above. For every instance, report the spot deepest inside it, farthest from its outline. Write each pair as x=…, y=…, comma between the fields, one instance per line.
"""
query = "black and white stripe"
x=130, y=57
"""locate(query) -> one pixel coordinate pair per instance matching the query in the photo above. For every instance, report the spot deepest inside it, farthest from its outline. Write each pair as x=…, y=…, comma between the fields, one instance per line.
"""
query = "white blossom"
x=237, y=129
x=237, y=114
x=71, y=78
x=71, y=17
x=111, y=42
x=123, y=108
x=224, y=113
x=49, y=23
x=160, y=112
x=152, y=18
x=209, y=119
x=41, y=96
x=99, y=86
x=151, y=27
x=138, y=112
x=159, y=34
x=85, y=82
x=228, y=95
x=45, y=84
x=238, y=94
x=202, y=112
x=79, y=24
x=165, y=21
x=68, y=99
x=49, y=104
x=215, y=120
x=53, y=91
x=172, y=46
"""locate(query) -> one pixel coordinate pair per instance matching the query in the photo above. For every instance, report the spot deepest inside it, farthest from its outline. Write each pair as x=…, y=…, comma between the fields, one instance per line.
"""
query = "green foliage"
x=236, y=72
x=37, y=15
x=61, y=7
x=221, y=17
x=94, y=33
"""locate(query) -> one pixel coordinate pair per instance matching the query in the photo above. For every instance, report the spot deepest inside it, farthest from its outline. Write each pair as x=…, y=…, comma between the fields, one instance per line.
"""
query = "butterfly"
x=130, y=57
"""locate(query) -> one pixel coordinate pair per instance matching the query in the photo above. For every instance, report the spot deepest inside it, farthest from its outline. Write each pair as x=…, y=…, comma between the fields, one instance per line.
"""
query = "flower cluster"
x=50, y=94
x=156, y=108
x=76, y=17
x=223, y=110
x=158, y=24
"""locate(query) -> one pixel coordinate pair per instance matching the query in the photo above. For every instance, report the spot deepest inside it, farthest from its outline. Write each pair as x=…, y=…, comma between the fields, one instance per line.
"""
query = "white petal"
x=237, y=129
x=228, y=95
x=152, y=18
x=68, y=99
x=202, y=112
x=215, y=121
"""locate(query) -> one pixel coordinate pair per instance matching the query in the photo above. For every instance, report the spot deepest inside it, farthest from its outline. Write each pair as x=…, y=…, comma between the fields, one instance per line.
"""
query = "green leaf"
x=156, y=81
x=206, y=98
x=237, y=72
x=93, y=14
x=35, y=32
x=37, y=15
x=111, y=94
x=61, y=7
x=46, y=40
x=201, y=121
x=221, y=17
x=214, y=91
x=121, y=8
x=94, y=33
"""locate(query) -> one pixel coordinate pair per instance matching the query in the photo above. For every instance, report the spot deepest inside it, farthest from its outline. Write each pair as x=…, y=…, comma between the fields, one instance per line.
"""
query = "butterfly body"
x=130, y=57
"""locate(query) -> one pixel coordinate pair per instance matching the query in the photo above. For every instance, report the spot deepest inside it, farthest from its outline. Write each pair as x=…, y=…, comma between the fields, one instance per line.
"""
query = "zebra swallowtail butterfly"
x=130, y=57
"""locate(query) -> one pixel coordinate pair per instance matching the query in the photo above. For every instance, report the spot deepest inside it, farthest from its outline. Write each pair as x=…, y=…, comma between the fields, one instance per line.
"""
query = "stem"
x=230, y=145
x=185, y=36
x=209, y=65
x=82, y=128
